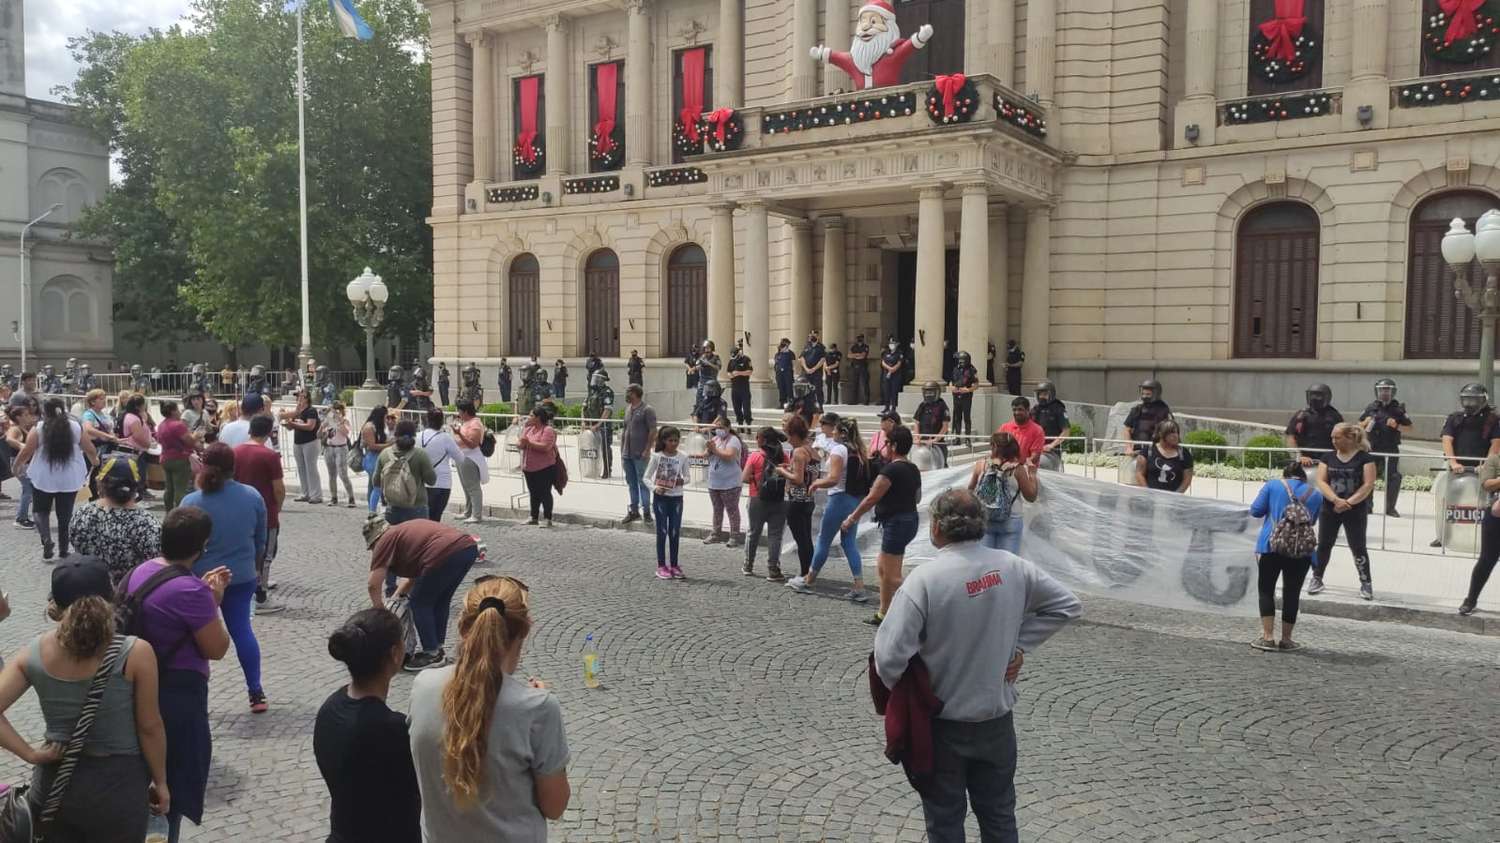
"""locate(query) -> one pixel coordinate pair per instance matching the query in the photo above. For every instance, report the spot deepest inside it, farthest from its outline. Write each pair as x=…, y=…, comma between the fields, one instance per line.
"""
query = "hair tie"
x=493, y=603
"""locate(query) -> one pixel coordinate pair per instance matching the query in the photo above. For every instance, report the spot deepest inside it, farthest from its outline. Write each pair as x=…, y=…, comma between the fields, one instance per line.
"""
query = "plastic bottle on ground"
x=590, y=662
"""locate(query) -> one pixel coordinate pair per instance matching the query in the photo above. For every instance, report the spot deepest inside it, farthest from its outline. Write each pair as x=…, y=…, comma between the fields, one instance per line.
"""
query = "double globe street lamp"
x=368, y=295
x=1460, y=247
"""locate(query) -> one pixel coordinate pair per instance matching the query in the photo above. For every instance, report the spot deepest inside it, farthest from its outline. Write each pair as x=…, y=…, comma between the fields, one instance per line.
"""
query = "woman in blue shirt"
x=237, y=541
x=1273, y=500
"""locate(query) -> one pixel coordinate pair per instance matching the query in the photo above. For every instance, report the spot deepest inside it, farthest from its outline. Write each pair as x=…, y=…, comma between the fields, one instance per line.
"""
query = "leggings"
x=839, y=505
x=726, y=501
x=336, y=460
x=668, y=510
x=539, y=487
x=799, y=520
x=1489, y=551
x=1292, y=572
x=43, y=502
x=236, y=609
x=1354, y=522
x=373, y=495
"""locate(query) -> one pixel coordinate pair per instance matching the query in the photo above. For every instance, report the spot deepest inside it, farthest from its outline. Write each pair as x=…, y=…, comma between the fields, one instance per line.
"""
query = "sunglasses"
x=484, y=578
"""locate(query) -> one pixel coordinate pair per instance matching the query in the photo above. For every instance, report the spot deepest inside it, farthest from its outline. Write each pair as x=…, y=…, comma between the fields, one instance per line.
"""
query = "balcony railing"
x=1298, y=105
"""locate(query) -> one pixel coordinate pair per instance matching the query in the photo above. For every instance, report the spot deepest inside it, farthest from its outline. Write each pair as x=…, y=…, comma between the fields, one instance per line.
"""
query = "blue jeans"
x=432, y=597
x=839, y=505
x=640, y=493
x=668, y=511
x=437, y=502
x=23, y=507
x=972, y=763
x=1004, y=533
x=369, y=465
x=237, y=611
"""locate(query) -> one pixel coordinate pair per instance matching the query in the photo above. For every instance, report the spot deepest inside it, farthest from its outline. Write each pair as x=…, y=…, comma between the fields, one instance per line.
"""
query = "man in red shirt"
x=258, y=465
x=1027, y=432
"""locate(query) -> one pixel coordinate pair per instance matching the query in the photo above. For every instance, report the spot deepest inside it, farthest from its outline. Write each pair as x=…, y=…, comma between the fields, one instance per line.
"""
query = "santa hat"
x=880, y=7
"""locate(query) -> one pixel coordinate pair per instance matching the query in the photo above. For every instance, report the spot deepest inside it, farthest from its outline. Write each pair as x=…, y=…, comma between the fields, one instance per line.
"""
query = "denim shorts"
x=896, y=532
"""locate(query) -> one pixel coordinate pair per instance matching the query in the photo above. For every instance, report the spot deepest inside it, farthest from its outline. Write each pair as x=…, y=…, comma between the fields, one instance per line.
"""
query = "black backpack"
x=772, y=484
x=130, y=617
x=856, y=477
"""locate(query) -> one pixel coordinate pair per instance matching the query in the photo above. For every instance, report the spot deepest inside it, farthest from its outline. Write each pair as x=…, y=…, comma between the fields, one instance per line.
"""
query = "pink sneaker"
x=677, y=573
x=663, y=572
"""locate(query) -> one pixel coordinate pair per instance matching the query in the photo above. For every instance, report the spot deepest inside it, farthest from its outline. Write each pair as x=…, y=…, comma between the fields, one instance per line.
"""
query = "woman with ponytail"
x=122, y=769
x=489, y=748
x=113, y=527
x=56, y=458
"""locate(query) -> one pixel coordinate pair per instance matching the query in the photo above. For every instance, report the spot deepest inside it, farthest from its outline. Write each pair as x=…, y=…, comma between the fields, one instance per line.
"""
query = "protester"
x=336, y=441
x=178, y=614
x=113, y=528
x=443, y=453
x=235, y=432
x=56, y=458
x=1346, y=479
x=667, y=472
x=237, y=540
x=373, y=439
x=433, y=560
x=122, y=769
x=725, y=456
x=1290, y=564
x=969, y=614
x=538, y=444
x=1029, y=435
x=258, y=466
x=473, y=469
x=403, y=473
x=894, y=496
x=178, y=444
x=999, y=482
x=490, y=752
x=767, y=508
x=22, y=417
x=363, y=748
x=194, y=415
x=880, y=450
x=847, y=481
x=637, y=438
x=303, y=421
x=98, y=424
x=800, y=472
x=1166, y=465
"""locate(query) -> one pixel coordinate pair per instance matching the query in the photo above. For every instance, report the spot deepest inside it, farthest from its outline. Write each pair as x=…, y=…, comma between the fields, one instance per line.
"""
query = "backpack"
x=487, y=444
x=991, y=491
x=130, y=615
x=398, y=483
x=856, y=477
x=1293, y=535
x=772, y=486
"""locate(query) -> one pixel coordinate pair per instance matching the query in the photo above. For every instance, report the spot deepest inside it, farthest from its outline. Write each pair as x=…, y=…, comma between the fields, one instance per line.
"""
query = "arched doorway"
x=1438, y=325
x=523, y=301
x=601, y=304
x=687, y=299
x=1276, y=282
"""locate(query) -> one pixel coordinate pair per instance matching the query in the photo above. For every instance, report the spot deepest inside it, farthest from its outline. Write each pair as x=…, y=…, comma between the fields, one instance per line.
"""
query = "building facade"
x=47, y=159
x=1238, y=196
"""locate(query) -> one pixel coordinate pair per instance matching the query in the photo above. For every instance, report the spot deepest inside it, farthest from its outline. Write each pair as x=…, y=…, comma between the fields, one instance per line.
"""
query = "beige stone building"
x=1199, y=206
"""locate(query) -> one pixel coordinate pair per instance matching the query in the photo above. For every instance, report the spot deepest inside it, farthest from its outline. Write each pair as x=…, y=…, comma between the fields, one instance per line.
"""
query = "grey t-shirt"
x=635, y=433
x=525, y=740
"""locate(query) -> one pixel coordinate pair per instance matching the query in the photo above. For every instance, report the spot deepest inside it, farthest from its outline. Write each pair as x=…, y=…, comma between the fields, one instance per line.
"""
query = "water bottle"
x=590, y=662
x=157, y=829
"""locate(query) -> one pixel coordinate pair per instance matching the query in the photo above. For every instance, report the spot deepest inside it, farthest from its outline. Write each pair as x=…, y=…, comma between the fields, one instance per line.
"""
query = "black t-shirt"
x=1313, y=429
x=1472, y=434
x=1383, y=437
x=1052, y=416
x=1144, y=418
x=931, y=415
x=1164, y=472
x=905, y=491
x=1345, y=478
x=740, y=364
x=363, y=750
x=302, y=437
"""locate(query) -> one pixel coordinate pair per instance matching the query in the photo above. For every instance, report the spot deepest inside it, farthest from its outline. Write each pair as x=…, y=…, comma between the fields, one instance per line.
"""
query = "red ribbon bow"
x=948, y=86
x=603, y=140
x=1461, y=20
x=719, y=119
x=1282, y=30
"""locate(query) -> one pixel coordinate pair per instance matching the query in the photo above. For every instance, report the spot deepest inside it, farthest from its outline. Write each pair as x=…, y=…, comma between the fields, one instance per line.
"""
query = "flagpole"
x=305, y=353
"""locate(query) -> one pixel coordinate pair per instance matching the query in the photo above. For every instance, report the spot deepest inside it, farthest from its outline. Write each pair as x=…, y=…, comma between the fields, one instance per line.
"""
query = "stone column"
x=759, y=346
x=804, y=38
x=1002, y=39
x=483, y=45
x=1041, y=50
x=721, y=277
x=729, y=56
x=800, y=300
x=1036, y=294
x=639, y=61
x=1369, y=83
x=974, y=273
x=835, y=35
x=1199, y=102
x=558, y=90
x=999, y=328
x=835, y=283
x=931, y=295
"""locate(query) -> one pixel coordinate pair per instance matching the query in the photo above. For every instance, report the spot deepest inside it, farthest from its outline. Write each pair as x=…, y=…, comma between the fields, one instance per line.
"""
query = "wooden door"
x=601, y=304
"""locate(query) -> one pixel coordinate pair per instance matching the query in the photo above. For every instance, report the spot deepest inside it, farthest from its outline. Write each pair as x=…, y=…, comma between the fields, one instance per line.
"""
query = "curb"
x=598, y=521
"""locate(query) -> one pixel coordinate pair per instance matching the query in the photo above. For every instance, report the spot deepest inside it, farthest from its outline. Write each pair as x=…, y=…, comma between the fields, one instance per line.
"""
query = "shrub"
x=347, y=396
x=1075, y=443
x=1206, y=437
x=1266, y=459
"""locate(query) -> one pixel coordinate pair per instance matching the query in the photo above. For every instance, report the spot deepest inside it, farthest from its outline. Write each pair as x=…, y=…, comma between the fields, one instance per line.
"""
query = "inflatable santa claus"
x=875, y=57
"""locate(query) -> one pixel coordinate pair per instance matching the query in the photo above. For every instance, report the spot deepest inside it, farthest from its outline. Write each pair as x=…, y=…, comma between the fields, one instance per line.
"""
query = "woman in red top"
x=767, y=505
x=538, y=443
x=177, y=445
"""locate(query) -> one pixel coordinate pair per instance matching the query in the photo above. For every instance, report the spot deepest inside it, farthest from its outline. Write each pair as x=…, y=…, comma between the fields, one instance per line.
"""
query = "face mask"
x=722, y=434
x=891, y=346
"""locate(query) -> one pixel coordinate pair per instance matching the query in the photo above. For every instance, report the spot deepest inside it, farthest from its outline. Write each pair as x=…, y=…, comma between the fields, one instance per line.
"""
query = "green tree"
x=203, y=119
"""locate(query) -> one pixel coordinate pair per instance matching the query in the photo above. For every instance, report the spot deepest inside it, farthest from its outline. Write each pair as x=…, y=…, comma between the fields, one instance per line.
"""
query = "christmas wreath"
x=1460, y=31
x=1284, y=48
x=952, y=99
x=686, y=138
x=607, y=150
x=530, y=159
x=721, y=130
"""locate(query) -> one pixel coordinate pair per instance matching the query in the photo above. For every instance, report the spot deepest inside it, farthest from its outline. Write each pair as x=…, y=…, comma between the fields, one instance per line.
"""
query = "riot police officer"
x=538, y=388
x=70, y=374
x=444, y=380
x=1385, y=420
x=198, y=380
x=469, y=387
x=8, y=377
x=833, y=372
x=782, y=365
x=86, y=378
x=505, y=380
x=590, y=366
x=891, y=364
x=635, y=369
x=1311, y=429
x=601, y=405
x=1014, y=357
x=396, y=394
x=932, y=418
x=1469, y=436
x=804, y=401
x=324, y=390
x=709, y=365
x=812, y=363
x=1140, y=424
x=690, y=367
x=711, y=405
x=1052, y=414
x=859, y=369
x=965, y=379
x=139, y=380
x=50, y=384
x=560, y=379
x=256, y=382
x=419, y=390
x=740, y=369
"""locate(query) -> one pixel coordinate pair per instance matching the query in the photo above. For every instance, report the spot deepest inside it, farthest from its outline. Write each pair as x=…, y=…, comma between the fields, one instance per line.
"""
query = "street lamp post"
x=1460, y=247
x=368, y=295
x=26, y=281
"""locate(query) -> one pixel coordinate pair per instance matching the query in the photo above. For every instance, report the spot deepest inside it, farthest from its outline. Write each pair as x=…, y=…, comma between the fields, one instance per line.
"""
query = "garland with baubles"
x=721, y=130
x=1460, y=31
x=952, y=99
x=608, y=151
x=1020, y=116
x=530, y=160
x=1284, y=48
x=1277, y=109
x=859, y=110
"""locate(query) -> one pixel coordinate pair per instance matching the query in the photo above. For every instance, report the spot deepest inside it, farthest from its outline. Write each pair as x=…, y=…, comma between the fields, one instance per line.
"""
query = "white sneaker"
x=799, y=585
x=269, y=607
x=471, y=520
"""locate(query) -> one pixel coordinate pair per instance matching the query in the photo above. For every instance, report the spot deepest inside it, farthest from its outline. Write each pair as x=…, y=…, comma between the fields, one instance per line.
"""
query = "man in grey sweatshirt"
x=970, y=614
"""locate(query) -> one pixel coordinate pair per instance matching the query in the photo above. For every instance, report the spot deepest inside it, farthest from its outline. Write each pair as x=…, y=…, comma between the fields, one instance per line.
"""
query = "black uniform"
x=812, y=354
x=506, y=379
x=443, y=382
x=396, y=394
x=1052, y=415
x=963, y=402
x=1385, y=439
x=560, y=383
x=859, y=372
x=635, y=372
x=709, y=408
x=419, y=402
x=783, y=368
x=708, y=370
x=739, y=388
x=592, y=365
x=1144, y=417
x=601, y=405
x=930, y=417
x=690, y=361
x=807, y=407
x=1014, y=357
x=891, y=382
x=908, y=363
x=834, y=360
x=1472, y=434
x=1313, y=430
x=989, y=362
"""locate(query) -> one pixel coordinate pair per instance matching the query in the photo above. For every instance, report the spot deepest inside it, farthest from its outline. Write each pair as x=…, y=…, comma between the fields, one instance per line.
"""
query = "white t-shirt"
x=837, y=449
x=235, y=433
x=443, y=452
x=69, y=476
x=664, y=471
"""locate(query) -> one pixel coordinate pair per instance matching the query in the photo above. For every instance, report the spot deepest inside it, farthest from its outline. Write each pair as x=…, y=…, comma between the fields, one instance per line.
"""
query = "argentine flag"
x=349, y=21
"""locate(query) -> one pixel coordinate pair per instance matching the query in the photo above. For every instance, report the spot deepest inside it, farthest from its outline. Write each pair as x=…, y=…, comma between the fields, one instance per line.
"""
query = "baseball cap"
x=79, y=577
x=890, y=414
x=252, y=404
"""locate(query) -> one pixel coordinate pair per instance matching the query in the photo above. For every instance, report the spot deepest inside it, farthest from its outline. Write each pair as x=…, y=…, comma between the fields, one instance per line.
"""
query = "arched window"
x=65, y=309
x=687, y=299
x=1437, y=324
x=601, y=304
x=66, y=188
x=524, y=307
x=944, y=54
x=1276, y=282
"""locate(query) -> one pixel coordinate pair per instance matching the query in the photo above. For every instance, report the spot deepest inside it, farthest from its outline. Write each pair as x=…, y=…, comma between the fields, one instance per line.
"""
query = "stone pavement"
x=736, y=710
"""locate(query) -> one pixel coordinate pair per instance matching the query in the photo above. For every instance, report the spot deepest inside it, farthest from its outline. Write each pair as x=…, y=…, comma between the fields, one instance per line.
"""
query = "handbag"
x=16, y=822
x=559, y=480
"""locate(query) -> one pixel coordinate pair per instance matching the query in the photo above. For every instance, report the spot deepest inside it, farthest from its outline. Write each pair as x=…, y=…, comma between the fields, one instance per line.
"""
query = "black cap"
x=252, y=404
x=890, y=414
x=79, y=577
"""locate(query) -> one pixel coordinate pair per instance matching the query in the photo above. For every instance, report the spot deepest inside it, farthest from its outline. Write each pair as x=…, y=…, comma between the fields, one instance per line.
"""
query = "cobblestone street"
x=737, y=710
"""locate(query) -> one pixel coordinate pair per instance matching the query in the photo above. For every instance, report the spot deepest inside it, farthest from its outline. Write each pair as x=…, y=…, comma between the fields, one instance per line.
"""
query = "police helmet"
x=708, y=345
x=416, y=372
x=83, y=368
x=5, y=368
x=1473, y=398
x=1153, y=386
x=1047, y=388
x=713, y=389
x=963, y=358
x=1319, y=395
x=48, y=370
x=1385, y=384
x=396, y=373
x=135, y=369
x=600, y=378
x=931, y=390
x=198, y=368
x=257, y=371
x=72, y=363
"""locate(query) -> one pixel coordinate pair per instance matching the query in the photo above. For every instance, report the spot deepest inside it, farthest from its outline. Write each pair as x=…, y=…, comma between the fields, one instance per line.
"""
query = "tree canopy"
x=202, y=119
